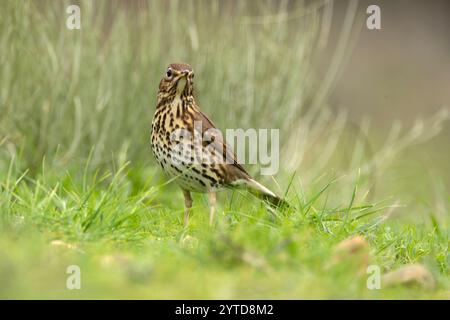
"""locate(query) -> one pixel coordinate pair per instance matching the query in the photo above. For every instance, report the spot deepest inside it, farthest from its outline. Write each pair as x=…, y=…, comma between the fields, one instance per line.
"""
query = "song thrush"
x=176, y=124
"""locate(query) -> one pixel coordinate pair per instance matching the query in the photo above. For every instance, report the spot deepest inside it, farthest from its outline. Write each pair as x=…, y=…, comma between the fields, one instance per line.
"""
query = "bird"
x=205, y=165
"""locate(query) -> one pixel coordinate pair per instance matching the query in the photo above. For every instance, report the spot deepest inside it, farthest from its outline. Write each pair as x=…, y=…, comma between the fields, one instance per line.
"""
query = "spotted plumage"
x=188, y=146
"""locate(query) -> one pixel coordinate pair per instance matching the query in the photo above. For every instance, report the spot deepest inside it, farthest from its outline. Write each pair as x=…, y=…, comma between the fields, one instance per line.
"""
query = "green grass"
x=131, y=243
x=76, y=166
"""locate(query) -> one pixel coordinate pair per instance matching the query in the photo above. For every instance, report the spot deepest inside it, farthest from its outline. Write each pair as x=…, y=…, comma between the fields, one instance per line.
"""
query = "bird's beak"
x=182, y=81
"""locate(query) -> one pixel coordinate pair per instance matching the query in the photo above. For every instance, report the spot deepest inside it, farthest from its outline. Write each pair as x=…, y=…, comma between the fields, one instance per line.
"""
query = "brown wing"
x=233, y=170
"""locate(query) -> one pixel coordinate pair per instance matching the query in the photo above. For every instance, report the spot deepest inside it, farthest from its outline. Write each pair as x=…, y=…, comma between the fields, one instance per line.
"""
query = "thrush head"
x=177, y=80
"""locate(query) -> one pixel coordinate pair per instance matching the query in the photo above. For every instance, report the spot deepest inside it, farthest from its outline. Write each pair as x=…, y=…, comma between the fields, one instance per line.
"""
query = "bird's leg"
x=212, y=206
x=188, y=206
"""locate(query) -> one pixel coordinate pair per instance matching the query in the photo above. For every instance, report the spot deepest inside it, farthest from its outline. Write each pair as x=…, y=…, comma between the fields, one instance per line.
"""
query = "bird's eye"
x=169, y=73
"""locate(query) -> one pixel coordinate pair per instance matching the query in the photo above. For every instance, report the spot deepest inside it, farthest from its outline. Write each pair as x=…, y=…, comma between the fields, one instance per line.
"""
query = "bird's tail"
x=262, y=192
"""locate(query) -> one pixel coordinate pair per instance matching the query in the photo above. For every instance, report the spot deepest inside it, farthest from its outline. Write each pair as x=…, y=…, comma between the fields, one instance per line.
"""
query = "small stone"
x=354, y=250
x=352, y=245
x=409, y=275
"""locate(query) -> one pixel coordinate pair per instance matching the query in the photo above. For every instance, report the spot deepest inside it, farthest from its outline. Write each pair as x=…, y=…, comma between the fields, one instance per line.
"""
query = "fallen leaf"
x=409, y=275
